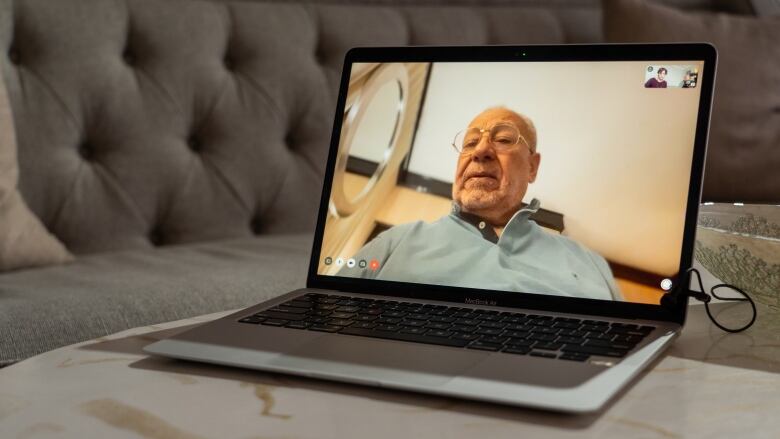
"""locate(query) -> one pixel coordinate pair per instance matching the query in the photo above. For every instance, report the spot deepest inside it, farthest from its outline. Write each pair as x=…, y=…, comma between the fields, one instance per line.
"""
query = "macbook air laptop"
x=496, y=223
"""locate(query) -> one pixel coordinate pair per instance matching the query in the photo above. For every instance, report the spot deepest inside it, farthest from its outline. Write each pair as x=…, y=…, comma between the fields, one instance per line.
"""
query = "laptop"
x=496, y=223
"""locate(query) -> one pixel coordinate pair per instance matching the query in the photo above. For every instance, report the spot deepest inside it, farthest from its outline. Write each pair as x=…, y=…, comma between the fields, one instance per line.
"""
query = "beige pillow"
x=743, y=157
x=24, y=241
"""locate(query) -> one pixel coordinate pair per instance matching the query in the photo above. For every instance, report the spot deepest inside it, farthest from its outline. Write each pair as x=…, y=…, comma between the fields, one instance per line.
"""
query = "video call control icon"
x=328, y=260
x=362, y=263
x=339, y=261
x=351, y=262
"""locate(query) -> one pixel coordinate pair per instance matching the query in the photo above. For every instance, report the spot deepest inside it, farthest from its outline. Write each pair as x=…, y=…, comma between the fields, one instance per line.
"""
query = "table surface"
x=709, y=384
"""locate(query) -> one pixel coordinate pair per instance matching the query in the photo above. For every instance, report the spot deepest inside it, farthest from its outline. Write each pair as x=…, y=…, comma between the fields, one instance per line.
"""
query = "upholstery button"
x=86, y=151
x=128, y=56
x=256, y=226
x=156, y=237
x=230, y=64
x=14, y=56
x=481, y=225
x=193, y=143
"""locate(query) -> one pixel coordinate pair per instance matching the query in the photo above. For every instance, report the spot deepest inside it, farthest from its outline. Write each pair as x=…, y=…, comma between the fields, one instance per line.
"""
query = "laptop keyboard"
x=487, y=330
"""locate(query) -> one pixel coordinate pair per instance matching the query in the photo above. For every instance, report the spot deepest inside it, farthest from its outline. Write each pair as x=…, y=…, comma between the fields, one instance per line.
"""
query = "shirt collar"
x=486, y=229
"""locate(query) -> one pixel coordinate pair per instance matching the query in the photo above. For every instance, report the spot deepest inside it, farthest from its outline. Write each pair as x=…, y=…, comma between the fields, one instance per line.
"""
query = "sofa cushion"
x=24, y=241
x=145, y=123
x=97, y=295
x=743, y=155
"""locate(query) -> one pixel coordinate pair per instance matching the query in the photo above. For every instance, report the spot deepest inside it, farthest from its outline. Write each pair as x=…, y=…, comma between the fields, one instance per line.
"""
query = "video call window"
x=671, y=76
x=545, y=178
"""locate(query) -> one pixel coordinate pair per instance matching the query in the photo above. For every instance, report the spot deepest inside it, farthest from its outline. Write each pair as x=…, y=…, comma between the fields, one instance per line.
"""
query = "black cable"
x=707, y=298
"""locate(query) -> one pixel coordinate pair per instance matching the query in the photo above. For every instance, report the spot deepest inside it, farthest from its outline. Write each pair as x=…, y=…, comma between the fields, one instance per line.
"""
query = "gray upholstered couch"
x=177, y=147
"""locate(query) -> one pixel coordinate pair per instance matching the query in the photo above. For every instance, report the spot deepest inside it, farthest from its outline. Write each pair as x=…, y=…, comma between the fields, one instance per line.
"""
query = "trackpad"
x=374, y=361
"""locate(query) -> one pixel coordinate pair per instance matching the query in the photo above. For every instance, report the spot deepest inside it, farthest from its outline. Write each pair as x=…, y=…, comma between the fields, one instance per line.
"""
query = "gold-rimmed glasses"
x=503, y=137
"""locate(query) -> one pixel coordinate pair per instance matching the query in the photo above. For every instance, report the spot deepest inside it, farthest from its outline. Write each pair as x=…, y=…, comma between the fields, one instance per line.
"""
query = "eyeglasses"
x=502, y=136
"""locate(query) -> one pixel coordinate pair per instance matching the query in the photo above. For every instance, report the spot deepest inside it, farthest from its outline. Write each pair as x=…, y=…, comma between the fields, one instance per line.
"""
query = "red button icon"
x=373, y=265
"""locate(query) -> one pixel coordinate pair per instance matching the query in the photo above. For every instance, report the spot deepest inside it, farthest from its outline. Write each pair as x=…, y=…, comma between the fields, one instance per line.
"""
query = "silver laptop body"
x=566, y=378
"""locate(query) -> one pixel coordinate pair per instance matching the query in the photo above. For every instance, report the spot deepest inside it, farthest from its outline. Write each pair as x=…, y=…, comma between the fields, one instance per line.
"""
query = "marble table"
x=709, y=385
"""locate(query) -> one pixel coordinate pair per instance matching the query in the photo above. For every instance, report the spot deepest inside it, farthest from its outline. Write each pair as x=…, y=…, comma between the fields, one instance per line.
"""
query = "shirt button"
x=481, y=225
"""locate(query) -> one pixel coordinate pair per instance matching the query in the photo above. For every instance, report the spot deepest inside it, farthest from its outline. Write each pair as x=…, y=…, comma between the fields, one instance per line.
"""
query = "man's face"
x=492, y=183
x=661, y=75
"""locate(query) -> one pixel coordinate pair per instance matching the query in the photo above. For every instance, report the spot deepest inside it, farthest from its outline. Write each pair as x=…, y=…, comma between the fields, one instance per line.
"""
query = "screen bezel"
x=533, y=53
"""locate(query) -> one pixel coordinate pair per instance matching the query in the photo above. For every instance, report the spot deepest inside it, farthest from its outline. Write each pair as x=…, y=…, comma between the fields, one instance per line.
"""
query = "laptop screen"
x=554, y=178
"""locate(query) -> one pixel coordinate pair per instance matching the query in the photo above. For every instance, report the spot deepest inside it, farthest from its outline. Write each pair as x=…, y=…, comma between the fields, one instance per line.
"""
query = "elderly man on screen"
x=487, y=241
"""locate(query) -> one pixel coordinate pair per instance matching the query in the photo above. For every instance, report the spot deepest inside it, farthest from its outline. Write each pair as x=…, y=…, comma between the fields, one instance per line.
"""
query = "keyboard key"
x=394, y=314
x=608, y=344
x=524, y=328
x=627, y=326
x=646, y=329
x=484, y=346
x=255, y=320
x=491, y=318
x=463, y=328
x=389, y=328
x=465, y=336
x=365, y=318
x=340, y=322
x=545, y=330
x=412, y=330
x=289, y=309
x=275, y=322
x=342, y=315
x=321, y=312
x=497, y=325
x=372, y=311
x=298, y=304
x=595, y=322
x=593, y=328
x=297, y=325
x=442, y=319
x=364, y=325
x=413, y=323
x=542, y=337
x=573, y=333
x=418, y=316
x=439, y=333
x=631, y=339
x=469, y=322
x=598, y=336
x=435, y=325
x=517, y=350
x=548, y=346
x=591, y=350
x=388, y=320
x=325, y=328
x=570, y=340
x=405, y=337
x=325, y=307
x=489, y=331
x=515, y=334
x=493, y=339
x=573, y=357
x=542, y=354
x=281, y=315
x=518, y=343
x=348, y=309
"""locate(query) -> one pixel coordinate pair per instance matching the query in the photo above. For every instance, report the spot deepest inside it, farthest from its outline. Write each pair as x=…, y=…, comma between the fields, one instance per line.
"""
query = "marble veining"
x=709, y=385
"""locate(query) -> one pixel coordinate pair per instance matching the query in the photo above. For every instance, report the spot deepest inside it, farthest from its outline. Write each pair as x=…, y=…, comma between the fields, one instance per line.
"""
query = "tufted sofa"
x=177, y=147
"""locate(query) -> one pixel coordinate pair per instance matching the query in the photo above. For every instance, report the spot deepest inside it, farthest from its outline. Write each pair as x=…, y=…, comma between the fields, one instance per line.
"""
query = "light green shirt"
x=453, y=251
